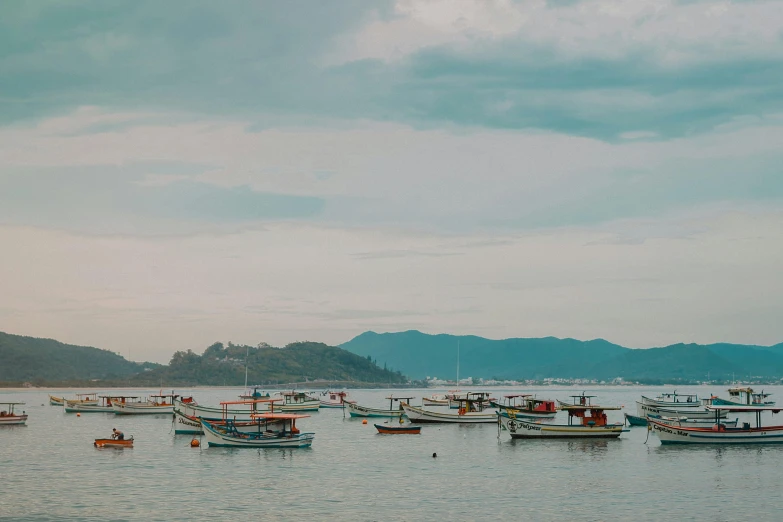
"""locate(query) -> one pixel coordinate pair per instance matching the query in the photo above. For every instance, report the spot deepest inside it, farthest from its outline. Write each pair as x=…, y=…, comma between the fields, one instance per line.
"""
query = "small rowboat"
x=113, y=443
x=397, y=430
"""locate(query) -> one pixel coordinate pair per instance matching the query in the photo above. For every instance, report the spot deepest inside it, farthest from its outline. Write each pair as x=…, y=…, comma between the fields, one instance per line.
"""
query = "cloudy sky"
x=177, y=173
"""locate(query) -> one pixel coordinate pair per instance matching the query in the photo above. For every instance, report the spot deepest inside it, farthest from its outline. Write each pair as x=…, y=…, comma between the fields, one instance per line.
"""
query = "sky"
x=178, y=173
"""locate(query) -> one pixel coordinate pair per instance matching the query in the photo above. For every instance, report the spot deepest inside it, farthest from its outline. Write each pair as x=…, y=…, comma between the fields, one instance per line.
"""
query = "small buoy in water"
x=364, y=421
x=434, y=455
x=195, y=443
x=78, y=414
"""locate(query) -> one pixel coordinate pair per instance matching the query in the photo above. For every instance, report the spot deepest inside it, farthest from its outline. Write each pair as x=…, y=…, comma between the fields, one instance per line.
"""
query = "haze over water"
x=52, y=471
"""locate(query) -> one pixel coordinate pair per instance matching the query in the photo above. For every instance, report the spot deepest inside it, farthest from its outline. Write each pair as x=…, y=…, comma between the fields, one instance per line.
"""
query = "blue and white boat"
x=272, y=430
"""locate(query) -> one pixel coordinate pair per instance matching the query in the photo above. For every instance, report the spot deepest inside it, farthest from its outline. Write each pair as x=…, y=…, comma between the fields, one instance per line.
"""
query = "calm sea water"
x=51, y=471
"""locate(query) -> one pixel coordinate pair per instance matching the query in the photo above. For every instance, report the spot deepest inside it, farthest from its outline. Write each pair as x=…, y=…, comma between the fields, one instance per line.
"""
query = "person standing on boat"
x=117, y=434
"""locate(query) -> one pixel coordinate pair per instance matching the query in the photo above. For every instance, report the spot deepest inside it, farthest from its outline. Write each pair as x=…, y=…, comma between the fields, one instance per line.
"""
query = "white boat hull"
x=527, y=429
x=419, y=415
x=312, y=405
x=362, y=411
x=13, y=420
x=142, y=409
x=692, y=413
x=75, y=407
x=669, y=434
x=434, y=402
x=215, y=438
x=673, y=405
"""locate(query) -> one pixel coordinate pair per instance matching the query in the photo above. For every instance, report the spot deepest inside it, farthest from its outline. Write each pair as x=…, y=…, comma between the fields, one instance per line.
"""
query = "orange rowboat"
x=114, y=443
x=398, y=430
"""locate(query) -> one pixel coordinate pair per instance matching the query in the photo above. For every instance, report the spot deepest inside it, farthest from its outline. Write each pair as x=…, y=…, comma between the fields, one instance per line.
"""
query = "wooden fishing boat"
x=155, y=404
x=471, y=411
x=393, y=412
x=674, y=400
x=114, y=443
x=81, y=398
x=188, y=416
x=585, y=421
x=633, y=420
x=298, y=401
x=526, y=405
x=645, y=410
x=103, y=406
x=435, y=400
x=719, y=433
x=8, y=417
x=270, y=433
x=405, y=429
x=741, y=397
x=332, y=399
x=483, y=397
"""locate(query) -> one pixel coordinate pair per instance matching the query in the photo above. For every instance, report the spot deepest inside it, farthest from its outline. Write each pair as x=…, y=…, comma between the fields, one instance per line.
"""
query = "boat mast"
x=247, y=353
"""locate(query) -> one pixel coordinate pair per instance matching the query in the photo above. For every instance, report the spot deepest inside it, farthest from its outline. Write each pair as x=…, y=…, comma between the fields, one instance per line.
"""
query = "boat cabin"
x=473, y=402
x=757, y=410
x=583, y=412
x=108, y=400
x=293, y=397
x=166, y=399
x=528, y=402
x=335, y=396
x=284, y=424
x=748, y=397
x=678, y=397
x=255, y=405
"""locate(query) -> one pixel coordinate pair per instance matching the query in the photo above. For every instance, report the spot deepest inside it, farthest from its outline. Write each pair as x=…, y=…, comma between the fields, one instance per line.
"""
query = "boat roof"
x=585, y=396
x=750, y=408
x=85, y=394
x=392, y=397
x=11, y=403
x=589, y=407
x=251, y=401
x=163, y=395
x=673, y=394
x=119, y=396
x=278, y=416
x=518, y=395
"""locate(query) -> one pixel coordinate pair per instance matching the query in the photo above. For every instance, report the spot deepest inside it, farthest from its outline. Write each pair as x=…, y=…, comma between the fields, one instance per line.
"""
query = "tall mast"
x=247, y=353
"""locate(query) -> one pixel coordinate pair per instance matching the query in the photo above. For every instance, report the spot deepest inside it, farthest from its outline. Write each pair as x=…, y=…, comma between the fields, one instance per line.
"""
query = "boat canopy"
x=593, y=407
x=278, y=416
x=393, y=398
x=167, y=395
x=250, y=401
x=518, y=395
x=118, y=396
x=11, y=403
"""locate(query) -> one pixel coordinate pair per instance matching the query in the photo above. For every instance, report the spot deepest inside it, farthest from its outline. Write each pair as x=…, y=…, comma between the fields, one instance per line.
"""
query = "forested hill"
x=35, y=360
x=46, y=362
x=419, y=355
x=297, y=362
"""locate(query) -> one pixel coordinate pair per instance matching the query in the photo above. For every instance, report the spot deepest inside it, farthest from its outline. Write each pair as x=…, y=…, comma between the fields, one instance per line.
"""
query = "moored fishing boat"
x=298, y=401
x=56, y=401
x=525, y=405
x=103, y=406
x=356, y=410
x=719, y=433
x=435, y=400
x=156, y=404
x=81, y=398
x=585, y=421
x=186, y=425
x=188, y=416
x=483, y=397
x=741, y=397
x=471, y=411
x=270, y=433
x=633, y=420
x=644, y=410
x=674, y=400
x=333, y=399
x=9, y=417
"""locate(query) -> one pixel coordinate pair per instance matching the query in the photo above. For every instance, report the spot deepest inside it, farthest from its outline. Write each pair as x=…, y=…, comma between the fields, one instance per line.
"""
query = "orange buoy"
x=78, y=414
x=195, y=443
x=364, y=421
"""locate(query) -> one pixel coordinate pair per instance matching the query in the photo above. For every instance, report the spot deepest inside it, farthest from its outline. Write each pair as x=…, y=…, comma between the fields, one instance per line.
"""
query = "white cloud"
x=673, y=31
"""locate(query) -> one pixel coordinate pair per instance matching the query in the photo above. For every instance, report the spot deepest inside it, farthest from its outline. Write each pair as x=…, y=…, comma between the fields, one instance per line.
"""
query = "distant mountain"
x=297, y=362
x=419, y=355
x=30, y=359
x=50, y=362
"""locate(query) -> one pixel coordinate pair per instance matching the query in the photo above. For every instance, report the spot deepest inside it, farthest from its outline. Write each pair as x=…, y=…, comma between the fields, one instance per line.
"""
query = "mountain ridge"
x=420, y=355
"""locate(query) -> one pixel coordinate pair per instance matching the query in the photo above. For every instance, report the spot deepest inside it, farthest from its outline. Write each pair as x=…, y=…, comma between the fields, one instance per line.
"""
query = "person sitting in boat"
x=117, y=434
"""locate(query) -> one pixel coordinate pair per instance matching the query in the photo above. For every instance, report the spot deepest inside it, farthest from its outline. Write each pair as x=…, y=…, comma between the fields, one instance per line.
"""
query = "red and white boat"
x=719, y=433
x=10, y=418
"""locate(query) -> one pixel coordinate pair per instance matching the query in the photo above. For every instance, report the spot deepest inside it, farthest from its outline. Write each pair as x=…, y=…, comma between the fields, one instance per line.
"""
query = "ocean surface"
x=51, y=471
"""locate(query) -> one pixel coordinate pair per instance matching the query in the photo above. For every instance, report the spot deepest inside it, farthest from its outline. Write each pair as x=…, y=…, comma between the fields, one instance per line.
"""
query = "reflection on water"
x=352, y=473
